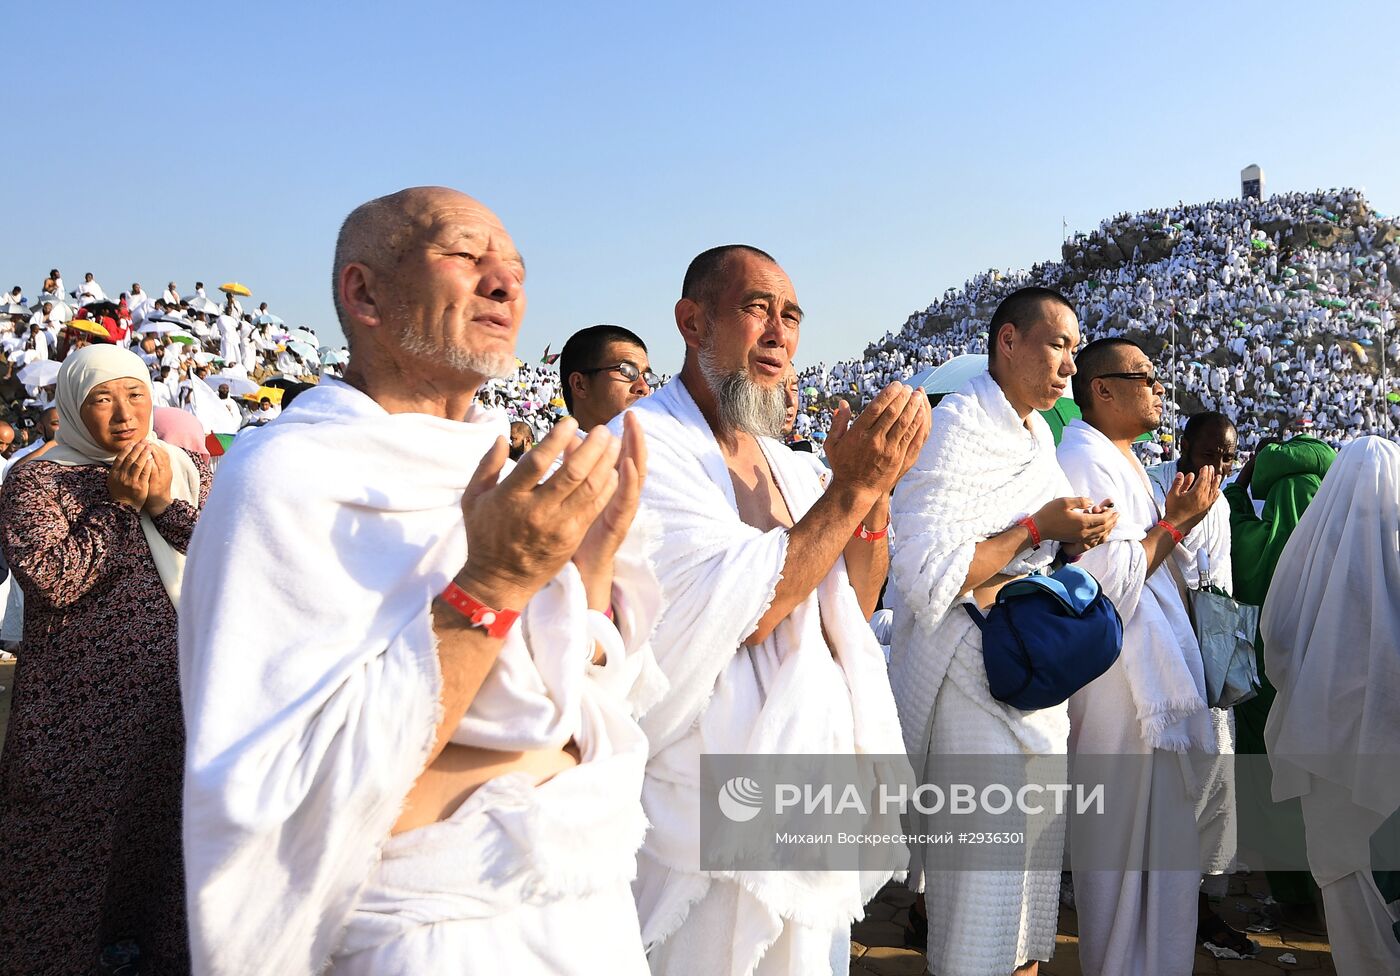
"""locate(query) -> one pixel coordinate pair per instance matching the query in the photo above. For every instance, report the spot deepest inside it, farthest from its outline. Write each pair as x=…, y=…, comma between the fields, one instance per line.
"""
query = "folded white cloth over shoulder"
x=1161, y=659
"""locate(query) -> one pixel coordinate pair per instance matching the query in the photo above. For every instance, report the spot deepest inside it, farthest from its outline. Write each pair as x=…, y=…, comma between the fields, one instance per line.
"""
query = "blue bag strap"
x=975, y=614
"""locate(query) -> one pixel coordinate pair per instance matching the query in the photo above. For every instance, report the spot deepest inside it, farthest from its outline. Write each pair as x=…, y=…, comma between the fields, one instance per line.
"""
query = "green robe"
x=1286, y=476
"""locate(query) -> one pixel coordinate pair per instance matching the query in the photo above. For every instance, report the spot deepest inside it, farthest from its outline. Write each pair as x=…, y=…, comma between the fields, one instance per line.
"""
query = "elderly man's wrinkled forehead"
x=432, y=215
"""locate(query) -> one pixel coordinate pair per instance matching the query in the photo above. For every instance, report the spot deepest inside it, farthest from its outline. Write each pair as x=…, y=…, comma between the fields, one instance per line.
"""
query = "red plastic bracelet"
x=496, y=623
x=1033, y=529
x=865, y=535
x=1175, y=532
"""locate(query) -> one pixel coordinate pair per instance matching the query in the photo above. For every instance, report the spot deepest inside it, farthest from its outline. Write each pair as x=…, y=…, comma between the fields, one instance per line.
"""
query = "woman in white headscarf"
x=90, y=781
x=1331, y=629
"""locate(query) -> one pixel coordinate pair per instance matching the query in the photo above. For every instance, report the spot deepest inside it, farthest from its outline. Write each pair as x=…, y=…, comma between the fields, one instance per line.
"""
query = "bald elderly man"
x=405, y=676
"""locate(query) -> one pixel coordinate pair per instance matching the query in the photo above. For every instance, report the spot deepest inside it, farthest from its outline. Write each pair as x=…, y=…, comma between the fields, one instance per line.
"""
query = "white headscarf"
x=80, y=372
x=1331, y=629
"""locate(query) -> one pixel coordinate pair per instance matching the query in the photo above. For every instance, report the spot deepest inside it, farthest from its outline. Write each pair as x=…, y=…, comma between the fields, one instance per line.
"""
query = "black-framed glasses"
x=628, y=371
x=1147, y=379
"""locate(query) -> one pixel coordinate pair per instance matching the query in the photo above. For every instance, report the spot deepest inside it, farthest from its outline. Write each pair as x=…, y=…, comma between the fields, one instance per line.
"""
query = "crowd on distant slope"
x=208, y=356
x=1275, y=335
x=1278, y=336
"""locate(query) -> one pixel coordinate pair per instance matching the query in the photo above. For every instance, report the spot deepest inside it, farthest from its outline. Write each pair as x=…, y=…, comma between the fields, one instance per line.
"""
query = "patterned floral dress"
x=91, y=775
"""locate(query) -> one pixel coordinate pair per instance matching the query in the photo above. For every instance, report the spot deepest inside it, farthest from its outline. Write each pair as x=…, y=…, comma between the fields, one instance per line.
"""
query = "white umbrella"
x=14, y=308
x=267, y=319
x=204, y=358
x=204, y=306
x=237, y=385
x=157, y=327
x=304, y=350
x=54, y=300
x=951, y=375
x=41, y=372
x=301, y=335
x=331, y=355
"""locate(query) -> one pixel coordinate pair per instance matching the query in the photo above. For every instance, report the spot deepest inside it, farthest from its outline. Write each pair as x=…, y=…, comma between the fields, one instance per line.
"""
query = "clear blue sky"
x=882, y=154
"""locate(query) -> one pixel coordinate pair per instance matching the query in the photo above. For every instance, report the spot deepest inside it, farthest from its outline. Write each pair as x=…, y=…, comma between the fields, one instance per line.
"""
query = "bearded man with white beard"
x=763, y=584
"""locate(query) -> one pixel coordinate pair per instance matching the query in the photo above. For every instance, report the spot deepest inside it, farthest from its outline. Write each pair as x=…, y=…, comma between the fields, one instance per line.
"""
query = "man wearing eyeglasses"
x=1151, y=703
x=604, y=370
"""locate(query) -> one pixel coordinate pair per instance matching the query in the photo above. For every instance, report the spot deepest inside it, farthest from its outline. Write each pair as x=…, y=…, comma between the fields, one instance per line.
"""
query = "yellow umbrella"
x=234, y=288
x=86, y=325
x=557, y=402
x=273, y=393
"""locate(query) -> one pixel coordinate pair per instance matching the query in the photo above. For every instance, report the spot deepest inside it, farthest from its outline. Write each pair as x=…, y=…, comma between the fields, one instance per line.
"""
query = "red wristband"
x=865, y=535
x=1175, y=532
x=496, y=623
x=1033, y=529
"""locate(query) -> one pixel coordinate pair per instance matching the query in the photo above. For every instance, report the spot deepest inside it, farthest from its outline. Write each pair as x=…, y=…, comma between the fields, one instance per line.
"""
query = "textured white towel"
x=1161, y=659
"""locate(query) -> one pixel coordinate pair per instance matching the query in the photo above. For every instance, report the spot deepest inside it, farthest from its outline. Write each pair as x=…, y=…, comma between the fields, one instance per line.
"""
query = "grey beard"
x=489, y=366
x=743, y=404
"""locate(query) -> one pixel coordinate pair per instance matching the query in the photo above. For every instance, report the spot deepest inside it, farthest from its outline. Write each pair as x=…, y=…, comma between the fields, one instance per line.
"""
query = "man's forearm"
x=991, y=556
x=465, y=656
x=813, y=545
x=868, y=560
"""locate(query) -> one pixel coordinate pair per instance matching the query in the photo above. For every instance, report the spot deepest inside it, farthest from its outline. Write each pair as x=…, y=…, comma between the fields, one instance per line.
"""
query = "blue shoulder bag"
x=1047, y=636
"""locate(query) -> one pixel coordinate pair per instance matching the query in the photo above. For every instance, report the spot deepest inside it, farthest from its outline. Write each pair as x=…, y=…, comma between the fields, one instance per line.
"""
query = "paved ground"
x=877, y=943
x=7, y=679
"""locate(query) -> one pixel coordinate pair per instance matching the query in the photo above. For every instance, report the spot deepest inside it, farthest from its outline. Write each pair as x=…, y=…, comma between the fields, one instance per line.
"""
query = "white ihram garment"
x=1216, y=816
x=790, y=694
x=1150, y=703
x=309, y=720
x=980, y=472
x=1331, y=629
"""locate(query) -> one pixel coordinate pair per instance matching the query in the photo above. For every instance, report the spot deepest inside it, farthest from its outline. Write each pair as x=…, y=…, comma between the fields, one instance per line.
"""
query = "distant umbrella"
x=41, y=372
x=237, y=385
x=268, y=319
x=204, y=306
x=15, y=308
x=951, y=375
x=304, y=350
x=234, y=288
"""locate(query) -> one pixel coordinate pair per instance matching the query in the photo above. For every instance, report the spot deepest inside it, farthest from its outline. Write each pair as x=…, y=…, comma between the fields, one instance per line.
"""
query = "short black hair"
x=1022, y=308
x=1093, y=361
x=706, y=270
x=584, y=349
x=1202, y=422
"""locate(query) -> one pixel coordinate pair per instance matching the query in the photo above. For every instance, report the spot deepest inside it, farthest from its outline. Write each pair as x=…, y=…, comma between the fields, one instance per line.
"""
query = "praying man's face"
x=223, y=391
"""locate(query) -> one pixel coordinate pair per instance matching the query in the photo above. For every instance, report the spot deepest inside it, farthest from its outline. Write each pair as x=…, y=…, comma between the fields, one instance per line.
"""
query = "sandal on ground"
x=1217, y=934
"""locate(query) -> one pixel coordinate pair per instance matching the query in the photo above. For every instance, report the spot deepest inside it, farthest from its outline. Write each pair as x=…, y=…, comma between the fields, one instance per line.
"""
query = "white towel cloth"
x=309, y=668
x=791, y=694
x=522, y=878
x=980, y=471
x=1161, y=660
x=1215, y=813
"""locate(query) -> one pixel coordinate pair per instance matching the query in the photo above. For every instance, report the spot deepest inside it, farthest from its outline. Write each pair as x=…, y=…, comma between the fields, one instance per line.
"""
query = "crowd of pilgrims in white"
x=1279, y=336
x=208, y=355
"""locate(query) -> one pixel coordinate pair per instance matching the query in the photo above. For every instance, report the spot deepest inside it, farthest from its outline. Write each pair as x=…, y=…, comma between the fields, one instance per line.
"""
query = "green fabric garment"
x=1286, y=476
